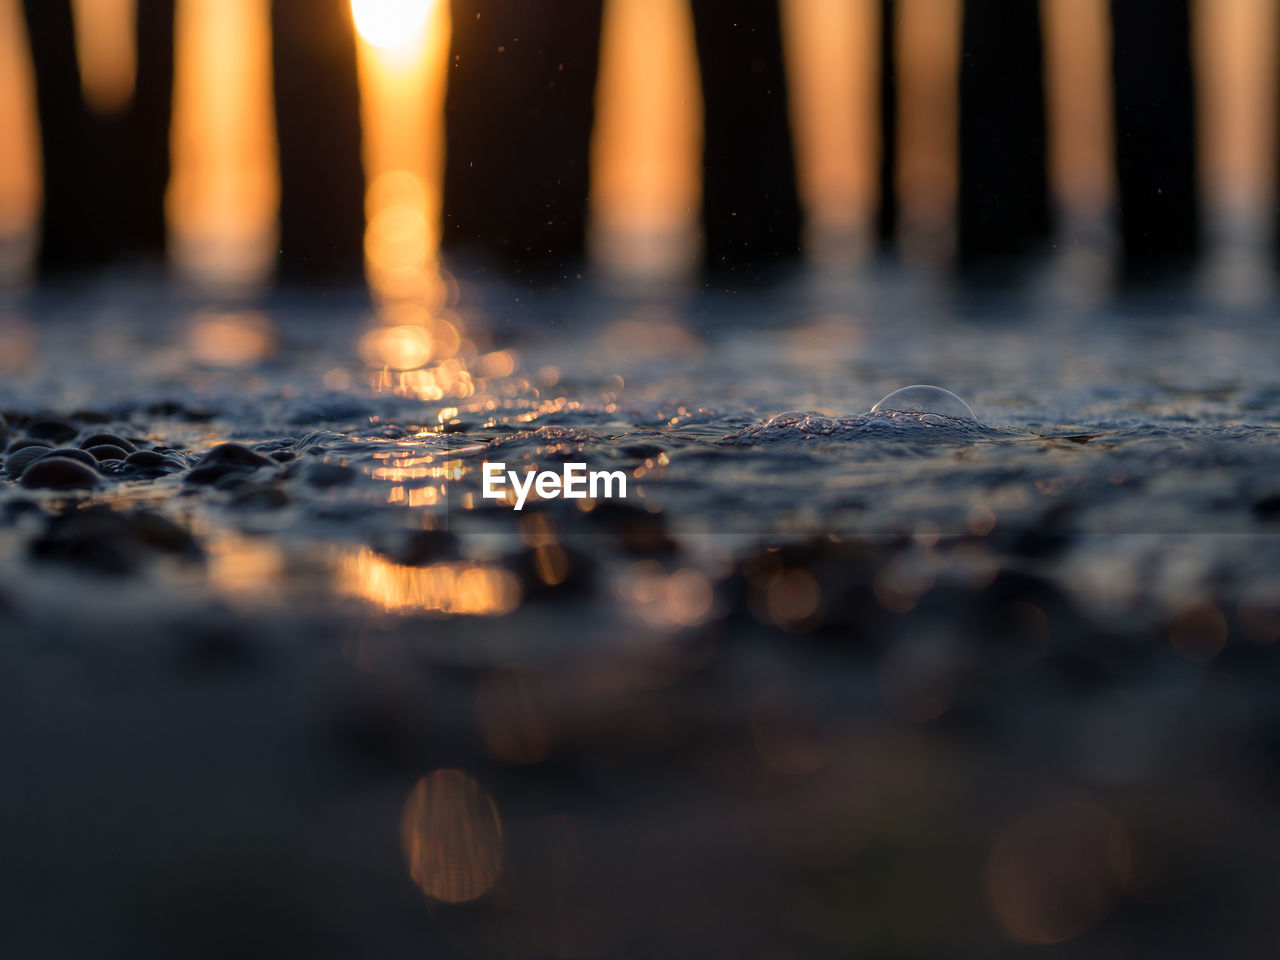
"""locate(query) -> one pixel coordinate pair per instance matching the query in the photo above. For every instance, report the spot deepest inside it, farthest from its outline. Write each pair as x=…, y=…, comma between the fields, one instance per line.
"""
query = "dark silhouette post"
x=751, y=207
x=76, y=229
x=518, y=117
x=1004, y=191
x=140, y=136
x=887, y=215
x=104, y=176
x=1155, y=134
x=318, y=125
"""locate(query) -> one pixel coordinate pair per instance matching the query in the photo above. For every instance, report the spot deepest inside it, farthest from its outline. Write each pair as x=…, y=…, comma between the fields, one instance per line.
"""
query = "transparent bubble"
x=789, y=417
x=925, y=400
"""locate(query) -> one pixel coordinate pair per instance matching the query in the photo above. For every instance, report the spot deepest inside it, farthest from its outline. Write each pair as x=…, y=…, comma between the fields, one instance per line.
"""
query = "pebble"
x=234, y=455
x=101, y=439
x=48, y=428
x=225, y=460
x=110, y=541
x=74, y=453
x=107, y=451
x=28, y=442
x=59, y=473
x=17, y=462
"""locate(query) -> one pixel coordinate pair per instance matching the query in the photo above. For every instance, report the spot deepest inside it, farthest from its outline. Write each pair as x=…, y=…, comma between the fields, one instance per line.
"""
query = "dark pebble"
x=27, y=442
x=234, y=455
x=59, y=431
x=283, y=456
x=146, y=458
x=16, y=463
x=107, y=451
x=102, y=439
x=328, y=474
x=59, y=473
x=110, y=541
x=74, y=453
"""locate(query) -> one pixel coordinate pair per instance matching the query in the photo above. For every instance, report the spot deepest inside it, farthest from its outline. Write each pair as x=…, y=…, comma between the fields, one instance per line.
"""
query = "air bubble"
x=923, y=399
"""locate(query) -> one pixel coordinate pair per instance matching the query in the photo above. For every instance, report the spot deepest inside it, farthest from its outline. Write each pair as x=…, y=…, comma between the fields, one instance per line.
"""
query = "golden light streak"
x=646, y=148
x=928, y=75
x=390, y=23
x=107, y=51
x=1235, y=49
x=448, y=588
x=1077, y=48
x=833, y=62
x=403, y=52
x=20, y=178
x=224, y=194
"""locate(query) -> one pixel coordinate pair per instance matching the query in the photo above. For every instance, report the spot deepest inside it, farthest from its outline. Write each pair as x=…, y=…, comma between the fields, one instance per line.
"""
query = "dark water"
x=834, y=683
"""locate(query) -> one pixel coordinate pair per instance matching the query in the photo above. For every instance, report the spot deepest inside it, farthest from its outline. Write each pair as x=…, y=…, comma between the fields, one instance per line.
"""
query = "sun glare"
x=390, y=23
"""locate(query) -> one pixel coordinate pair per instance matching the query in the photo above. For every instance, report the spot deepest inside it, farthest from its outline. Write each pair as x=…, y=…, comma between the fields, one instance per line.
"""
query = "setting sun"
x=390, y=23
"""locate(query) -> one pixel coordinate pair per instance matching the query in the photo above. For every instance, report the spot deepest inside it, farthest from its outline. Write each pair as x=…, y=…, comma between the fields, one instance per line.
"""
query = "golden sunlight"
x=20, y=158
x=402, y=52
x=224, y=193
x=107, y=51
x=833, y=58
x=646, y=148
x=928, y=73
x=1235, y=50
x=390, y=23
x=1077, y=48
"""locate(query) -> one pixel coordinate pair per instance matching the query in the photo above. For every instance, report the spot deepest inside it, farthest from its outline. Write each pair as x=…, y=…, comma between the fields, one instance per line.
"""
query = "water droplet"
x=925, y=400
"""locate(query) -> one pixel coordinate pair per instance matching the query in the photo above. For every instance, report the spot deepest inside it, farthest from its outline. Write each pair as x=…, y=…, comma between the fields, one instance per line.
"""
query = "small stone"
x=74, y=453
x=112, y=439
x=59, y=473
x=110, y=541
x=234, y=455
x=17, y=462
x=48, y=428
x=27, y=442
x=107, y=451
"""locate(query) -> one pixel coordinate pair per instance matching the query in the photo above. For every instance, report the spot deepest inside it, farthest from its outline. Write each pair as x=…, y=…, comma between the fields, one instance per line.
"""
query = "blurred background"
x=245, y=143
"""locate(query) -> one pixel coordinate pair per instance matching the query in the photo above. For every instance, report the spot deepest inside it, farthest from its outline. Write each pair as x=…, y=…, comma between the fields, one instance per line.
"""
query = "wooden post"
x=751, y=206
x=76, y=220
x=887, y=215
x=1004, y=191
x=1155, y=135
x=518, y=117
x=318, y=125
